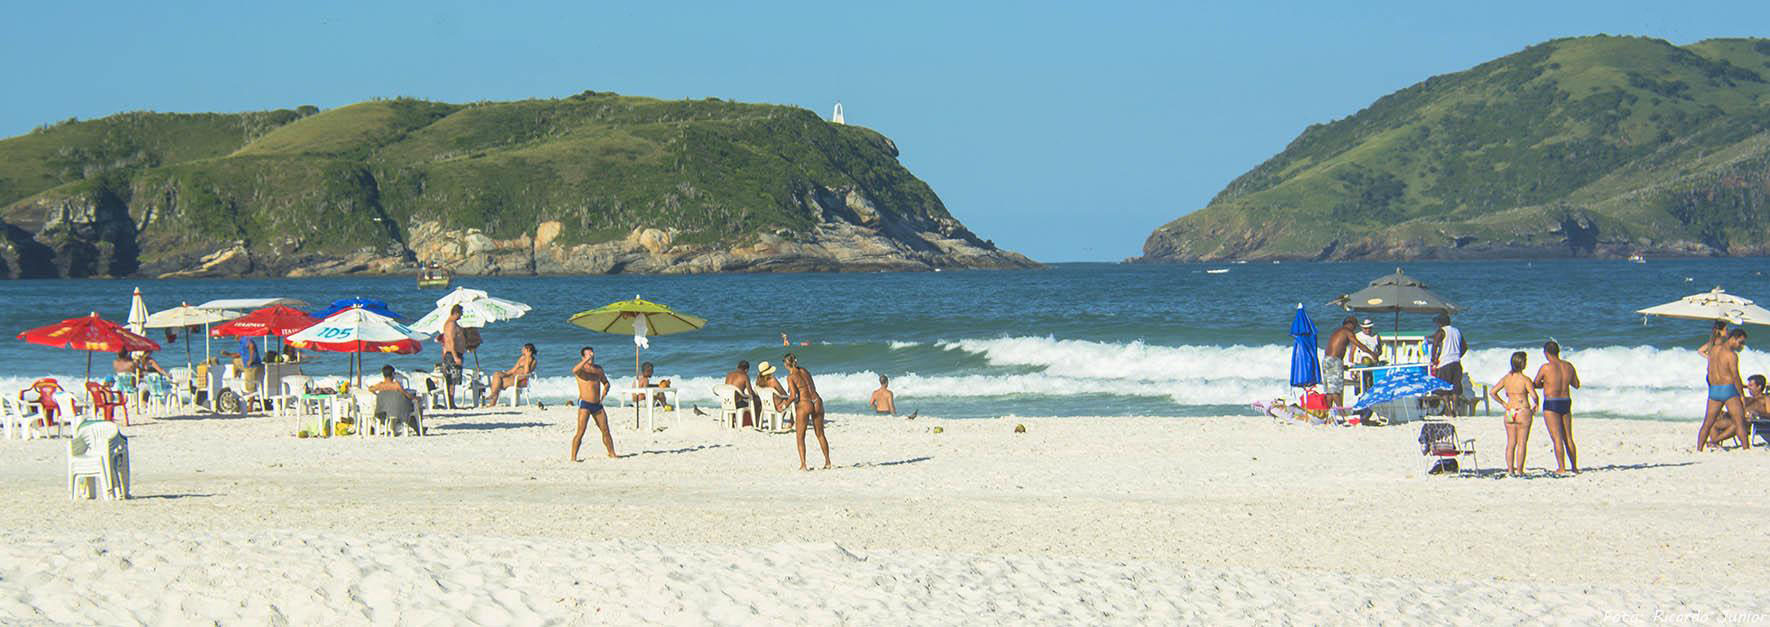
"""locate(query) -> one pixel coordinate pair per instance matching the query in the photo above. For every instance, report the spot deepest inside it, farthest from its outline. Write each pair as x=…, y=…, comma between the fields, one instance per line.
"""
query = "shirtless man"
x=1556, y=378
x=123, y=364
x=452, y=340
x=746, y=395
x=1725, y=386
x=1333, y=365
x=1520, y=402
x=809, y=408
x=884, y=402
x=1757, y=408
x=1717, y=337
x=592, y=387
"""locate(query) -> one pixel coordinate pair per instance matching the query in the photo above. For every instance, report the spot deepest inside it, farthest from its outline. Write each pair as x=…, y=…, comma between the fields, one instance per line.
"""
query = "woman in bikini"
x=517, y=375
x=1521, y=403
x=809, y=408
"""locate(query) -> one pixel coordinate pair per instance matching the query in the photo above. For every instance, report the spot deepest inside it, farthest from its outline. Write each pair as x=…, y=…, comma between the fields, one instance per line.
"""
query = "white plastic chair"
x=99, y=454
x=730, y=414
x=775, y=418
x=12, y=418
x=519, y=390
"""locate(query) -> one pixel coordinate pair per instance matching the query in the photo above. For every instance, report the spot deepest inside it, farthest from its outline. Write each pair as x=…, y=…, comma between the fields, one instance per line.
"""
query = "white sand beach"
x=1077, y=521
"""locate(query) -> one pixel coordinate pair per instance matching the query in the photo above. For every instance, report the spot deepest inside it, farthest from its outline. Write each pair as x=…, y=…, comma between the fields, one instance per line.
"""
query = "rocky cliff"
x=595, y=183
x=1595, y=146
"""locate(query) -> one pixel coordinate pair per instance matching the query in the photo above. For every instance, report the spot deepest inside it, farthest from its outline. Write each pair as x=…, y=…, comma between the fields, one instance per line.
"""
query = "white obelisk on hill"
x=837, y=116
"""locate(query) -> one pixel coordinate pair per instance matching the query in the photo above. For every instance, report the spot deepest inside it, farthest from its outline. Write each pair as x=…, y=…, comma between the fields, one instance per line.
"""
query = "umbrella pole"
x=88, y=368
x=636, y=384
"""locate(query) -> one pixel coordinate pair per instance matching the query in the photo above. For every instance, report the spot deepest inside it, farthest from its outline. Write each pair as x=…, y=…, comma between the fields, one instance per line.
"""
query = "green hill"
x=1587, y=146
x=592, y=183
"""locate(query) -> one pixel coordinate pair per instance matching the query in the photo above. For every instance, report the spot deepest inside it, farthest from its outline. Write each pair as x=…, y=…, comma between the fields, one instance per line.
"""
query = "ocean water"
x=1070, y=340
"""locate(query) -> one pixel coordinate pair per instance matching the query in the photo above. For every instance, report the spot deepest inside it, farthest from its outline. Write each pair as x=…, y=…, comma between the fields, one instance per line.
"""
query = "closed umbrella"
x=640, y=318
x=1401, y=384
x=89, y=333
x=1305, y=369
x=1715, y=304
x=138, y=314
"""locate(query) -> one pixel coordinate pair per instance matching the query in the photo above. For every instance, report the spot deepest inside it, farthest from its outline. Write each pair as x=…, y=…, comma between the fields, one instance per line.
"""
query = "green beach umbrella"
x=641, y=319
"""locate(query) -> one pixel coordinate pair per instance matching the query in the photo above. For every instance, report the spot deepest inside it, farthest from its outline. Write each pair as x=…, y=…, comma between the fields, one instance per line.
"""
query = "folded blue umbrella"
x=1305, y=367
x=1401, y=384
x=369, y=304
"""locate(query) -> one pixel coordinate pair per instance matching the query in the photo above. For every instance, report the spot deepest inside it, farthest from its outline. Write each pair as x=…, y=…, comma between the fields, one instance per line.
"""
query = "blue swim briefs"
x=1721, y=393
x=589, y=406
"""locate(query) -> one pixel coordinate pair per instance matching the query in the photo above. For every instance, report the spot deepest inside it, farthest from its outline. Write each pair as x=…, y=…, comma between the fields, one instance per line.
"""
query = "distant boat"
x=1637, y=259
x=1217, y=271
x=433, y=278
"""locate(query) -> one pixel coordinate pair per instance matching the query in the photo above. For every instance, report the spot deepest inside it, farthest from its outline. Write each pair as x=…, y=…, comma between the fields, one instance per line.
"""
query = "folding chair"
x=1438, y=440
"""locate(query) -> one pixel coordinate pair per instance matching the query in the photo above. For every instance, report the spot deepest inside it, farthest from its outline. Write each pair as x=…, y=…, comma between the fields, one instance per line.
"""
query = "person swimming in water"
x=1520, y=402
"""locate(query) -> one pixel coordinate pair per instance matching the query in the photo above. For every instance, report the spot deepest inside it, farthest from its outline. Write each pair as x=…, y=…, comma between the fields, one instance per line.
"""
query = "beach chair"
x=1760, y=428
x=1438, y=440
x=154, y=394
x=776, y=419
x=98, y=455
x=129, y=386
x=730, y=414
x=286, y=397
x=12, y=419
x=518, y=391
x=107, y=400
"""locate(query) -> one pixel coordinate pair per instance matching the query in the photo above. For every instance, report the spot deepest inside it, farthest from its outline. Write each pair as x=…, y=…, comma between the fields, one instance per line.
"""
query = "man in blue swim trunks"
x=592, y=388
x=1557, y=378
x=1725, y=387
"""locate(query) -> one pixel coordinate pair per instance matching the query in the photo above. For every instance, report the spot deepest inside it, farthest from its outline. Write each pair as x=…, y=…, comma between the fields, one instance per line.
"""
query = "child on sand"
x=1521, y=403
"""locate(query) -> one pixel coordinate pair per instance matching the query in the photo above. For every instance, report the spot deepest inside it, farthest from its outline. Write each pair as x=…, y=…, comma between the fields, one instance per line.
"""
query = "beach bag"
x=469, y=339
x=1446, y=466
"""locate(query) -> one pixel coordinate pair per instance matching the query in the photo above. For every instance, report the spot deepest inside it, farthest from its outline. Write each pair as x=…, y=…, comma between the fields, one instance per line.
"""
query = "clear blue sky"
x=1067, y=131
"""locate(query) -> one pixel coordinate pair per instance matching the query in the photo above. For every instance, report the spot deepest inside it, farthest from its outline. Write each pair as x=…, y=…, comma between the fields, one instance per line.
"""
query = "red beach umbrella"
x=275, y=320
x=89, y=333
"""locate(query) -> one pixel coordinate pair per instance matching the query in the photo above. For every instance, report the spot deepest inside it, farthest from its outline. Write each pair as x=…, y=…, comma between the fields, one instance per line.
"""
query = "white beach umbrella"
x=183, y=316
x=477, y=310
x=1714, y=304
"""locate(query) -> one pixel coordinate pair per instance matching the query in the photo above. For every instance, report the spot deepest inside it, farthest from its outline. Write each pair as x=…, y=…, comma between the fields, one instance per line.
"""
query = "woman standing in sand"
x=809, y=408
x=1520, y=404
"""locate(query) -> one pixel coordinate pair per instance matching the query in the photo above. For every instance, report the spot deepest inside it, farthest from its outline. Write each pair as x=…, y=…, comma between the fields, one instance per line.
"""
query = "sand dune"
x=1080, y=520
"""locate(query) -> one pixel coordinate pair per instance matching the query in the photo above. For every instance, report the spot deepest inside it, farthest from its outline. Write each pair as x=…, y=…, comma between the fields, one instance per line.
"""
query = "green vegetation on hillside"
x=1615, y=135
x=298, y=184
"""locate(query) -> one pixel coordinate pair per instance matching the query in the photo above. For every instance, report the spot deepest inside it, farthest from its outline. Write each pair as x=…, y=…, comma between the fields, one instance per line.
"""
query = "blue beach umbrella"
x=1401, y=384
x=1305, y=370
x=367, y=304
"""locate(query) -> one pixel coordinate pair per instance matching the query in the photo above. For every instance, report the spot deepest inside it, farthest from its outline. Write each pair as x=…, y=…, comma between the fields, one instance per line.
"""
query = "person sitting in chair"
x=516, y=376
x=395, y=401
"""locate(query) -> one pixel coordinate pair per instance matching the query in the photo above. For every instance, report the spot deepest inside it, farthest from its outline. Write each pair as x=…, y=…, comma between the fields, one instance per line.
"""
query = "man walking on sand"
x=1333, y=366
x=1557, y=378
x=1725, y=387
x=452, y=340
x=592, y=387
x=1447, y=360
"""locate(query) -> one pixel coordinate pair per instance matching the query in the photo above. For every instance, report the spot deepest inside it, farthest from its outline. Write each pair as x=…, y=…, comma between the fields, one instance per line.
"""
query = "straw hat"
x=765, y=369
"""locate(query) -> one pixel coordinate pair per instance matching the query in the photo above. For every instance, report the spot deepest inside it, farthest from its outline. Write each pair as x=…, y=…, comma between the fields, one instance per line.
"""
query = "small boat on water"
x=433, y=277
x=1637, y=259
x=1217, y=271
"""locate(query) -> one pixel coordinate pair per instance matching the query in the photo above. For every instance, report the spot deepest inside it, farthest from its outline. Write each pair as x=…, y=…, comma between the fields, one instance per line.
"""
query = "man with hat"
x=1448, y=347
x=1336, y=356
